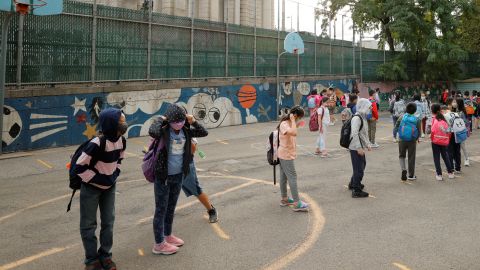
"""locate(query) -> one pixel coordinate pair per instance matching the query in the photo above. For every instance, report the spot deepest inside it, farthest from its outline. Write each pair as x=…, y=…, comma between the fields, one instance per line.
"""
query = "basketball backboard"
x=37, y=7
x=294, y=43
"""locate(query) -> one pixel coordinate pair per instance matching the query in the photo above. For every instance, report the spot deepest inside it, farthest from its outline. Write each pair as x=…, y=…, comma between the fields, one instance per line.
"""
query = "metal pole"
x=255, y=42
x=343, y=53
x=361, y=60
x=283, y=15
x=21, y=20
x=298, y=30
x=94, y=43
x=149, y=41
x=3, y=64
x=227, y=37
x=353, y=48
x=330, y=37
x=315, y=30
x=192, y=5
x=278, y=52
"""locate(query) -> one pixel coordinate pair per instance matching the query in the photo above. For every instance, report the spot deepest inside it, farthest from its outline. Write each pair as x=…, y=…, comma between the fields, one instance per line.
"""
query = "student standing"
x=427, y=114
x=454, y=148
x=287, y=153
x=398, y=110
x=372, y=119
x=359, y=142
x=440, y=136
x=462, y=113
x=323, y=123
x=409, y=127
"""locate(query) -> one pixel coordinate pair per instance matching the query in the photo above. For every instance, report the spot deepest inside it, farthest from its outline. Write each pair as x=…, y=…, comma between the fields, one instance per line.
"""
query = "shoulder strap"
x=124, y=142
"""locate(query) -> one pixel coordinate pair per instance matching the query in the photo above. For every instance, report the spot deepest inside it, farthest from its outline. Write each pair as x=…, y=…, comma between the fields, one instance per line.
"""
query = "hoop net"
x=25, y=8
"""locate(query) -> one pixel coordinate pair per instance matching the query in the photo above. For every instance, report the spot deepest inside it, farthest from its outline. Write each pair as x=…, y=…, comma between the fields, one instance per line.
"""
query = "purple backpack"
x=150, y=159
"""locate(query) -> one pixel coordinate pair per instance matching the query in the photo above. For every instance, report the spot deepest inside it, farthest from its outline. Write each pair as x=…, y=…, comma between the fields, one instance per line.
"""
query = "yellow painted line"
x=218, y=230
x=401, y=266
x=145, y=148
x=141, y=252
x=183, y=206
x=222, y=141
x=406, y=182
x=44, y=163
x=371, y=196
x=35, y=257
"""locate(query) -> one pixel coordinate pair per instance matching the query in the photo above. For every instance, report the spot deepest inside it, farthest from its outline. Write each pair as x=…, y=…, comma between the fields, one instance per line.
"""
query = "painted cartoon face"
x=213, y=113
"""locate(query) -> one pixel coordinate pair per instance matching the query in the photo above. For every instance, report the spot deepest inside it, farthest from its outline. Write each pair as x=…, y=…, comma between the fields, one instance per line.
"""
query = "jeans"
x=166, y=197
x=321, y=141
x=372, y=129
x=92, y=198
x=288, y=173
x=455, y=154
x=411, y=147
x=437, y=151
x=358, y=164
x=395, y=129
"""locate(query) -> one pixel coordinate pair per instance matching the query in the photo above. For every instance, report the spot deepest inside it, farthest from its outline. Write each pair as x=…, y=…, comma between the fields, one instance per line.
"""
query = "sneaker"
x=395, y=140
x=457, y=172
x=164, y=248
x=362, y=186
x=359, y=194
x=404, y=175
x=451, y=176
x=467, y=163
x=423, y=135
x=412, y=178
x=301, y=207
x=108, y=264
x=212, y=215
x=287, y=202
x=96, y=265
x=175, y=241
x=439, y=177
x=375, y=145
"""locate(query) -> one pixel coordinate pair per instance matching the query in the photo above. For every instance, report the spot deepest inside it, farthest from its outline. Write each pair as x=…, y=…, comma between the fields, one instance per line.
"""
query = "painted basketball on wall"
x=247, y=96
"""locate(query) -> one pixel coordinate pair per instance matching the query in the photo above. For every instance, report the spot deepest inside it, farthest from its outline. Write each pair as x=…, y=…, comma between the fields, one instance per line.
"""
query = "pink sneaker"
x=173, y=240
x=164, y=249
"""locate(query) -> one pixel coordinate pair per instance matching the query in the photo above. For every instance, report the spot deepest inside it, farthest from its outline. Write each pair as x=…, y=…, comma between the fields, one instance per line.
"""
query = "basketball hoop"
x=24, y=8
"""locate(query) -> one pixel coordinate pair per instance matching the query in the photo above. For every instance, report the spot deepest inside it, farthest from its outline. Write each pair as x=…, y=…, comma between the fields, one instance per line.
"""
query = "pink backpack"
x=440, y=134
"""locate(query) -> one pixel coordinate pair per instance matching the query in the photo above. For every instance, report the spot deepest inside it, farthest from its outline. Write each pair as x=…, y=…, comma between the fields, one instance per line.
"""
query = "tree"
x=468, y=29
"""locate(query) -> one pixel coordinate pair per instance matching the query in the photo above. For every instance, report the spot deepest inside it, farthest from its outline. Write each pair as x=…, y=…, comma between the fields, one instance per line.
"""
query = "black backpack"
x=345, y=139
x=270, y=154
x=75, y=180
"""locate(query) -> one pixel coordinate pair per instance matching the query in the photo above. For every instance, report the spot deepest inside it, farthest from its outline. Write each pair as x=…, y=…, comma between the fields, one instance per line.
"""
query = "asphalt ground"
x=423, y=224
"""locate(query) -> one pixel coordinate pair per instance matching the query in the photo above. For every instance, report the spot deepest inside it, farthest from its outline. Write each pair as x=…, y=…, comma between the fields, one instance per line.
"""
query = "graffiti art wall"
x=49, y=121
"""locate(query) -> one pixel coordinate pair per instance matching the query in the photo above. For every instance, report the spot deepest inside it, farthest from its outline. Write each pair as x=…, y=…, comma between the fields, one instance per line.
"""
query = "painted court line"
x=45, y=164
x=222, y=142
x=141, y=252
x=400, y=266
x=35, y=257
x=218, y=230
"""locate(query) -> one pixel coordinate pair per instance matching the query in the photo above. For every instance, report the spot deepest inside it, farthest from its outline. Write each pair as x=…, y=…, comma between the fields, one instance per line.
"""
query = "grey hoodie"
x=360, y=137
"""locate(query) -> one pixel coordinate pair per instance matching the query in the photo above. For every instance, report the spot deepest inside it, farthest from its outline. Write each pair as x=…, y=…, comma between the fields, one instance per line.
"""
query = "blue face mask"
x=369, y=116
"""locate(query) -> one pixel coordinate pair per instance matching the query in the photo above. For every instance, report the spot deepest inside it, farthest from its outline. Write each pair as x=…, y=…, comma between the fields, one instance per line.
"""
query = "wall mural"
x=42, y=122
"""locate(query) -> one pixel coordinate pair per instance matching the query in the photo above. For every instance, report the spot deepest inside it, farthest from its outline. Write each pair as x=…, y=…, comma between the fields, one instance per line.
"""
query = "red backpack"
x=440, y=134
x=314, y=125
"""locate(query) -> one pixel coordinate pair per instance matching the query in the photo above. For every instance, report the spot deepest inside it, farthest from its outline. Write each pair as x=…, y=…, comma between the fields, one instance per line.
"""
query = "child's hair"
x=411, y=108
x=325, y=99
x=466, y=93
x=352, y=98
x=437, y=111
x=314, y=92
x=449, y=101
x=371, y=92
x=461, y=106
x=416, y=97
x=297, y=110
x=398, y=96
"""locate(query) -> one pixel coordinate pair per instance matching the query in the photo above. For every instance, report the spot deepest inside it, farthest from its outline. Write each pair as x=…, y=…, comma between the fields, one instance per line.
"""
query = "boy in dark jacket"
x=98, y=188
x=176, y=129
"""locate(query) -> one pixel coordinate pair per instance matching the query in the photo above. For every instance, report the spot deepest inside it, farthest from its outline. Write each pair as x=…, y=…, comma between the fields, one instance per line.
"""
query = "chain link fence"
x=128, y=40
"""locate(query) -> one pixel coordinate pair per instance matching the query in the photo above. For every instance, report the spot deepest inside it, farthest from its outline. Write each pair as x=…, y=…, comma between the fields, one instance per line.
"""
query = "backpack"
x=346, y=114
x=399, y=109
x=75, y=180
x=313, y=124
x=459, y=128
x=469, y=107
x=272, y=151
x=312, y=102
x=346, y=131
x=439, y=133
x=150, y=159
x=408, y=130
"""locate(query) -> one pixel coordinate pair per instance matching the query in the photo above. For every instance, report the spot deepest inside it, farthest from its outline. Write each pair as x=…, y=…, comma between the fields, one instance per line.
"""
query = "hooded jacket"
x=359, y=132
x=104, y=173
x=160, y=129
x=352, y=107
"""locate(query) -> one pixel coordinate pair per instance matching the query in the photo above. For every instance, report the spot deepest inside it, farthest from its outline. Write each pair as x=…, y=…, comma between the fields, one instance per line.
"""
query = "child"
x=463, y=114
x=323, y=123
x=191, y=186
x=409, y=127
x=176, y=129
x=372, y=119
x=440, y=137
x=98, y=188
x=286, y=155
x=359, y=142
x=398, y=110
x=427, y=114
x=454, y=148
x=420, y=114
x=313, y=101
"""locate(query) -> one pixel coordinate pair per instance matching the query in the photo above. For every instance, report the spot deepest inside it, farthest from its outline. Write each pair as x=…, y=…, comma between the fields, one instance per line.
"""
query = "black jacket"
x=161, y=129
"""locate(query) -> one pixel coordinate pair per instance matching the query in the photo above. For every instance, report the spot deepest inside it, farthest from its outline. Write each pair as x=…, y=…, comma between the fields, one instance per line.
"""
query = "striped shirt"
x=105, y=172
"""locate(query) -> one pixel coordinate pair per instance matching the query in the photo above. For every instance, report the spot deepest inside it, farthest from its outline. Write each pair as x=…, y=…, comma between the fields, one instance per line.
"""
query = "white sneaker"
x=467, y=163
x=375, y=145
x=451, y=176
x=439, y=177
x=395, y=140
x=423, y=135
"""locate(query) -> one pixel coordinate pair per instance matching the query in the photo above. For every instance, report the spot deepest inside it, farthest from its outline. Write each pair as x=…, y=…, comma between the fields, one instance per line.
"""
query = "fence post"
x=149, y=41
x=227, y=37
x=255, y=42
x=353, y=47
x=315, y=30
x=192, y=6
x=361, y=60
x=94, y=42
x=3, y=65
x=298, y=31
x=343, y=50
x=21, y=20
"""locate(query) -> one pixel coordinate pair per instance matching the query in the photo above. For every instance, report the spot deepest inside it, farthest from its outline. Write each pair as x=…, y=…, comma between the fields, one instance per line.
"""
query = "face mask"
x=122, y=128
x=177, y=125
x=454, y=105
x=424, y=98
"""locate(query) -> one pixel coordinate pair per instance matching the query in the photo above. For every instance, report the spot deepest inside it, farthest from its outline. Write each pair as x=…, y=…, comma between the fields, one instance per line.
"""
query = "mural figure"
x=12, y=125
x=247, y=96
x=95, y=108
x=213, y=113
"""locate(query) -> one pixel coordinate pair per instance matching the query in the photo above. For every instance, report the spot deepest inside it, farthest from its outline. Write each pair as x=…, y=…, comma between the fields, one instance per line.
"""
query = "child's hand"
x=190, y=119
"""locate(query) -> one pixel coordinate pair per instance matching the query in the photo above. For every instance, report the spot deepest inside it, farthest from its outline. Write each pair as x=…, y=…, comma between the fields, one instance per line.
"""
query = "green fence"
x=99, y=43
